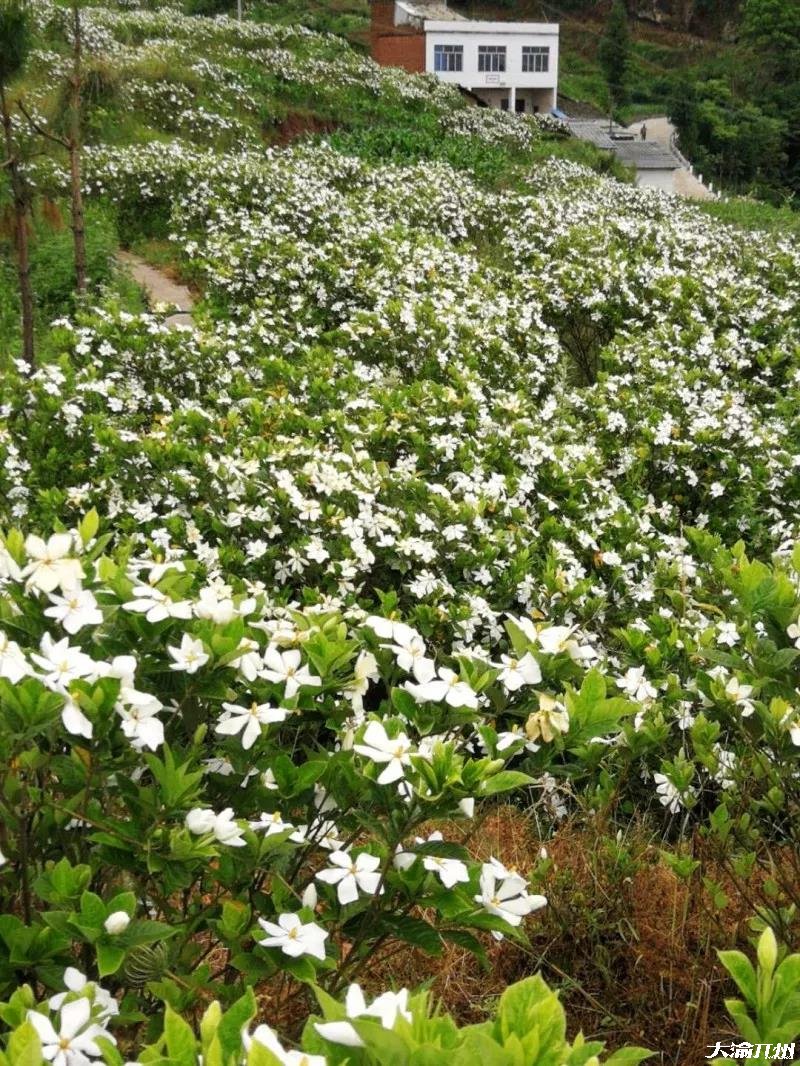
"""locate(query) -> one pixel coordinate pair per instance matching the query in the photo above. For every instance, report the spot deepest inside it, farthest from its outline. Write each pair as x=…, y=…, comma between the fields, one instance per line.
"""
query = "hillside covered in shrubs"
x=406, y=650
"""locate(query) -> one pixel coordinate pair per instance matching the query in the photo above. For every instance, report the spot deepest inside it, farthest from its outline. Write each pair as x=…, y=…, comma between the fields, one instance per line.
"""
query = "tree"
x=74, y=149
x=15, y=42
x=72, y=142
x=614, y=54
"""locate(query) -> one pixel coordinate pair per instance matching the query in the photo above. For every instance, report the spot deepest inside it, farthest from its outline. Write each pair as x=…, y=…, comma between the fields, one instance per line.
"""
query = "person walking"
x=643, y=132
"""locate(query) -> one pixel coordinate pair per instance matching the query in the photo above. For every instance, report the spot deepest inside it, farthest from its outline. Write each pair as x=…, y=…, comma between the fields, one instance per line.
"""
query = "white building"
x=513, y=65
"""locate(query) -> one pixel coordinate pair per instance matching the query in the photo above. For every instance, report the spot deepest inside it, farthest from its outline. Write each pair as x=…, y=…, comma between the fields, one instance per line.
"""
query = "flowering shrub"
x=451, y=492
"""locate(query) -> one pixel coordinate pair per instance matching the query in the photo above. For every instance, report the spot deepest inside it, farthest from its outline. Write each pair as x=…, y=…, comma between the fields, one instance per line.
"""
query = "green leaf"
x=741, y=970
x=89, y=526
x=413, y=931
x=629, y=1056
x=25, y=1047
x=234, y=1020
x=505, y=781
x=109, y=958
x=181, y=1041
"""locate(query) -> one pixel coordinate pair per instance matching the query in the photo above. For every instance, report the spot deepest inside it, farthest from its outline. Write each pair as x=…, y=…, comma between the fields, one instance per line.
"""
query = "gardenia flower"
x=387, y=1008
x=364, y=671
x=448, y=687
x=211, y=606
x=117, y=923
x=139, y=722
x=248, y=721
x=449, y=871
x=272, y=823
x=293, y=937
x=225, y=829
x=74, y=610
x=61, y=663
x=557, y=639
x=518, y=672
x=352, y=874
x=77, y=982
x=13, y=664
x=668, y=794
x=739, y=694
x=51, y=564
x=378, y=746
x=156, y=605
x=550, y=719
x=636, y=685
x=509, y=899
x=268, y=1038
x=74, y=1044
x=285, y=667
x=190, y=656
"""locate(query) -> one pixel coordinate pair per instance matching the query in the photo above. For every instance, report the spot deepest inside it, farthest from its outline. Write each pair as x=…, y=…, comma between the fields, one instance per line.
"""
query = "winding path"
x=160, y=289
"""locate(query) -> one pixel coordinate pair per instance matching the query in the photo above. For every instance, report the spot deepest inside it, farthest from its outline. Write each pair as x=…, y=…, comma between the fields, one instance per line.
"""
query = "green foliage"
x=614, y=54
x=769, y=1011
x=15, y=38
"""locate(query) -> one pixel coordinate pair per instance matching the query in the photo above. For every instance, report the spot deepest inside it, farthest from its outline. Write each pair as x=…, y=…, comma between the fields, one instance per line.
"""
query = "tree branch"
x=40, y=129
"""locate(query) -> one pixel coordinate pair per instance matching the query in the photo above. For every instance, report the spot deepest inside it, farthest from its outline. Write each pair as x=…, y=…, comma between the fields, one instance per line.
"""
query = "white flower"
x=117, y=923
x=636, y=685
x=156, y=605
x=285, y=667
x=75, y=981
x=139, y=722
x=386, y=1008
x=75, y=1042
x=668, y=794
x=550, y=719
x=448, y=687
x=352, y=874
x=226, y=830
x=221, y=609
x=269, y=1039
x=727, y=634
x=519, y=672
x=293, y=937
x=378, y=746
x=190, y=656
x=51, y=566
x=13, y=664
x=507, y=900
x=75, y=609
x=555, y=640
x=272, y=823
x=450, y=871
x=364, y=671
x=61, y=663
x=248, y=721
x=410, y=652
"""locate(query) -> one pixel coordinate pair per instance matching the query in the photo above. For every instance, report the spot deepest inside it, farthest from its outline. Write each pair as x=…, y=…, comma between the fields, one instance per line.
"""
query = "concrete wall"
x=656, y=179
x=543, y=99
x=511, y=35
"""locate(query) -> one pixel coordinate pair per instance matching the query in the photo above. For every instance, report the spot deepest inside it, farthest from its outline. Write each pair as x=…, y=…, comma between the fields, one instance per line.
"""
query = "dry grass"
x=631, y=946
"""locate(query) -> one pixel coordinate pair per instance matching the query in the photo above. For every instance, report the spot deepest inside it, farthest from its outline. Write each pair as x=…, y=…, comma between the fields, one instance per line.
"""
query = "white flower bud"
x=117, y=923
x=309, y=897
x=200, y=821
x=467, y=807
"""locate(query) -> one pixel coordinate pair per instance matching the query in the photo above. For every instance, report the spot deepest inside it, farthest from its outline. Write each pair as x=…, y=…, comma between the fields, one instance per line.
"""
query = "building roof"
x=644, y=155
x=430, y=9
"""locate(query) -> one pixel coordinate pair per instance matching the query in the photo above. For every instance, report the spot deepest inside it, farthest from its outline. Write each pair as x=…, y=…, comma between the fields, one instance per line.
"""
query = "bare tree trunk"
x=20, y=213
x=78, y=224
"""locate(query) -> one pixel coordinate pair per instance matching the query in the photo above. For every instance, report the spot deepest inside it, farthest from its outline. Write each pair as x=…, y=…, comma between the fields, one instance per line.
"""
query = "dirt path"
x=160, y=289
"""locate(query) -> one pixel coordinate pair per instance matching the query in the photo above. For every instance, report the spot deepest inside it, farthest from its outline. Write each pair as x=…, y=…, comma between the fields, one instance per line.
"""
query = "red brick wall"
x=401, y=50
x=395, y=46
